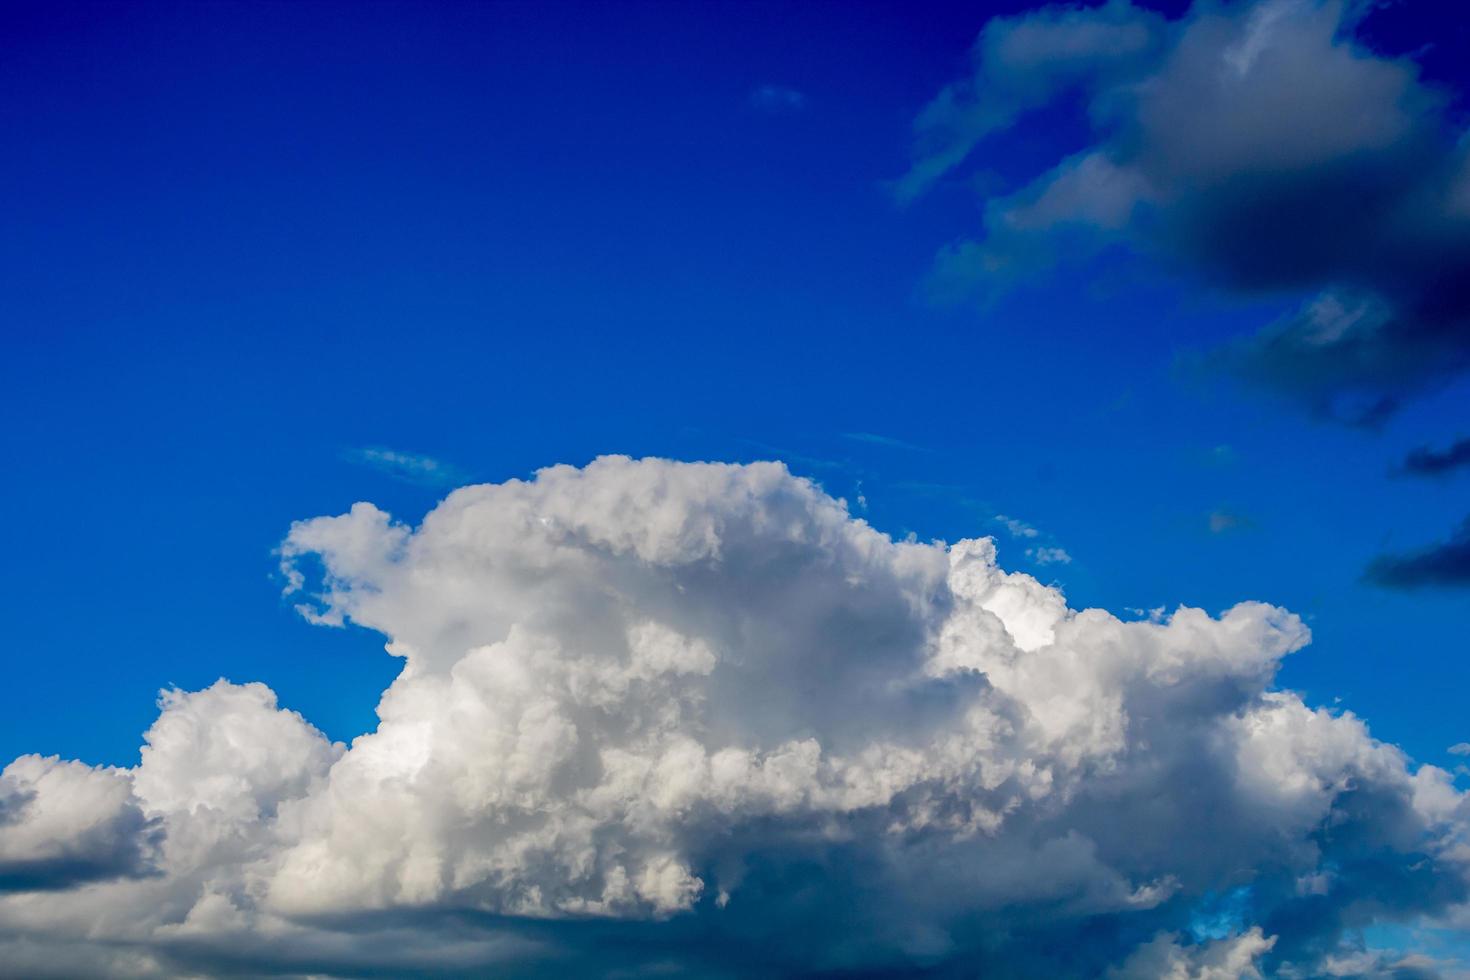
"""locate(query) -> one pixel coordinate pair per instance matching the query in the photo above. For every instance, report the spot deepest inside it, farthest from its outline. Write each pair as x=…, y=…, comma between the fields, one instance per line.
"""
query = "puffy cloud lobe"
x=1250, y=146
x=697, y=716
x=1163, y=958
x=65, y=823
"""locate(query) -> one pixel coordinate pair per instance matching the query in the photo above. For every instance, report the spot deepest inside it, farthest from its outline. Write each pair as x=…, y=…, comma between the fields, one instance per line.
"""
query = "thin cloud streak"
x=409, y=467
x=888, y=442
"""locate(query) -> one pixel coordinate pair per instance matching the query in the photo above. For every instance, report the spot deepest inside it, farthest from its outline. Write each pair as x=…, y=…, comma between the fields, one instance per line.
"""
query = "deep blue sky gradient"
x=240, y=242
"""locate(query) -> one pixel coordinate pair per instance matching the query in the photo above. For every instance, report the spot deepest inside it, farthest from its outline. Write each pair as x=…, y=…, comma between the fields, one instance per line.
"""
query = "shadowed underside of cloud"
x=696, y=718
x=1444, y=564
x=65, y=824
x=1252, y=147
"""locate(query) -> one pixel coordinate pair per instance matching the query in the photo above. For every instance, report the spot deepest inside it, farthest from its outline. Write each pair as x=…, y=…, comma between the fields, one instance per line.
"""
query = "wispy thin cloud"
x=1222, y=521
x=1039, y=553
x=1044, y=555
x=930, y=489
x=777, y=98
x=888, y=442
x=409, y=467
x=795, y=459
x=1221, y=455
x=1016, y=528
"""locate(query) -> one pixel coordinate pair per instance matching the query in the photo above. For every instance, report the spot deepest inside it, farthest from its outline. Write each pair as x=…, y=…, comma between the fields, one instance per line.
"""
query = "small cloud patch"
x=1425, y=461
x=409, y=467
x=1049, y=556
x=777, y=99
x=1223, y=521
x=1445, y=563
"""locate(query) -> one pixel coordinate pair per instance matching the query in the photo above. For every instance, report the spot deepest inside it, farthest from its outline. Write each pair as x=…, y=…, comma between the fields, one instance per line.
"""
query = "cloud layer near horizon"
x=697, y=717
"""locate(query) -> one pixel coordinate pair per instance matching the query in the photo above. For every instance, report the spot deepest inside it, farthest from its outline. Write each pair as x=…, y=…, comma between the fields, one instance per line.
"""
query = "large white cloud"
x=697, y=717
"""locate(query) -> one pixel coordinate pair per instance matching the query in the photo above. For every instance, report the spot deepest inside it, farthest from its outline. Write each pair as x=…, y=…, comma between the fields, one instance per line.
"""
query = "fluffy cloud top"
x=697, y=717
x=1251, y=146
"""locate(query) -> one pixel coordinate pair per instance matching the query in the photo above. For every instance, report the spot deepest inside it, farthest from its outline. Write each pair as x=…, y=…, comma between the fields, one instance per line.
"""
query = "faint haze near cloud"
x=777, y=99
x=887, y=442
x=1222, y=520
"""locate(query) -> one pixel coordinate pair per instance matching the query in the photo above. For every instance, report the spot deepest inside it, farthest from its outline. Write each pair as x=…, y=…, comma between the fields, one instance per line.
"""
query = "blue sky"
x=245, y=244
x=267, y=261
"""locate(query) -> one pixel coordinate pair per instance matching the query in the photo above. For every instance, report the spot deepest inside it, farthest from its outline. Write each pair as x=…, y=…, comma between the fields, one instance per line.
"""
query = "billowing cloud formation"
x=1253, y=147
x=696, y=717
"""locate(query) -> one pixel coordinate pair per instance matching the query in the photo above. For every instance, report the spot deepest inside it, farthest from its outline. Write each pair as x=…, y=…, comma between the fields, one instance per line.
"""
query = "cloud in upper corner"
x=1460, y=748
x=777, y=99
x=1445, y=563
x=409, y=467
x=1254, y=148
x=1425, y=461
x=697, y=718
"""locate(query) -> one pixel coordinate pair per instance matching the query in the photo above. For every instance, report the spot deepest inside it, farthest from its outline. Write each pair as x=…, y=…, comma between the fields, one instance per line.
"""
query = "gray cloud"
x=695, y=718
x=65, y=824
x=1437, y=462
x=1254, y=148
x=1446, y=563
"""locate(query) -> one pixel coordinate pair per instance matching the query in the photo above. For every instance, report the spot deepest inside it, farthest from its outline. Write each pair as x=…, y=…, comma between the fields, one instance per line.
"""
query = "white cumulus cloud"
x=698, y=717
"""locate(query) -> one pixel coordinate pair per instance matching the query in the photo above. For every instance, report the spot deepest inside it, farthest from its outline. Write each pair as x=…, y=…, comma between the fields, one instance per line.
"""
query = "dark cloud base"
x=1425, y=461
x=1444, y=564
